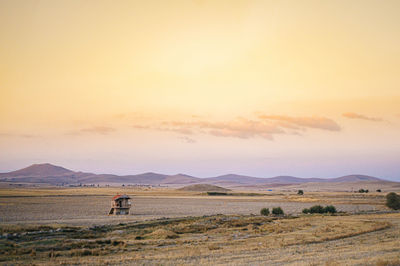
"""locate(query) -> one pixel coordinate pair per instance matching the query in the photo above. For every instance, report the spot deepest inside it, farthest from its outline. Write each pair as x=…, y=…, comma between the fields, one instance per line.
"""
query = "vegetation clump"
x=393, y=201
x=330, y=209
x=214, y=193
x=277, y=211
x=361, y=190
x=264, y=211
x=319, y=209
x=300, y=192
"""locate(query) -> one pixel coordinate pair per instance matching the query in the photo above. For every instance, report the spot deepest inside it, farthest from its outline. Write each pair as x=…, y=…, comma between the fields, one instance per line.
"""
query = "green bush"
x=330, y=209
x=393, y=201
x=214, y=193
x=264, y=211
x=300, y=192
x=317, y=209
x=378, y=190
x=320, y=209
x=277, y=211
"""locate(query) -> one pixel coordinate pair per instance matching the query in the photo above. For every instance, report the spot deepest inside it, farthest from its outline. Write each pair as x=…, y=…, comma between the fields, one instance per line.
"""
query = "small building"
x=120, y=205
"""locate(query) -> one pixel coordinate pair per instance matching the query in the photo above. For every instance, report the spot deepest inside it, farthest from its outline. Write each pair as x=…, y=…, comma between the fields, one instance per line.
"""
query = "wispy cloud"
x=263, y=126
x=17, y=135
x=102, y=130
x=186, y=139
x=98, y=130
x=303, y=122
x=363, y=117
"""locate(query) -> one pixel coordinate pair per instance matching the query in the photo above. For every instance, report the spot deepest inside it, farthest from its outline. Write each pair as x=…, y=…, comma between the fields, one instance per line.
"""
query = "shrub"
x=300, y=192
x=378, y=190
x=361, y=190
x=393, y=201
x=214, y=193
x=317, y=209
x=277, y=211
x=264, y=211
x=320, y=209
x=330, y=209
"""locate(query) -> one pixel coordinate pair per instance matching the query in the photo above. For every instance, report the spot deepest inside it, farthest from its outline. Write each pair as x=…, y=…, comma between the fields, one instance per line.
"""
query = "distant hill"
x=55, y=175
x=45, y=169
x=355, y=178
x=241, y=179
x=204, y=188
x=180, y=179
x=291, y=180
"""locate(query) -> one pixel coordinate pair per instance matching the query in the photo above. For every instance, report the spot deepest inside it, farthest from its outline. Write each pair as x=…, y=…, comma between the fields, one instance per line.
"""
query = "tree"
x=277, y=211
x=264, y=211
x=300, y=192
x=306, y=211
x=393, y=201
x=317, y=209
x=330, y=209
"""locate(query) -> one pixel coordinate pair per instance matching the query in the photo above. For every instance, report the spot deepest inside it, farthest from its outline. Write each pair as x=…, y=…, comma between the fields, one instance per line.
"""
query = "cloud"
x=238, y=128
x=187, y=139
x=363, y=117
x=263, y=126
x=18, y=135
x=102, y=130
x=301, y=123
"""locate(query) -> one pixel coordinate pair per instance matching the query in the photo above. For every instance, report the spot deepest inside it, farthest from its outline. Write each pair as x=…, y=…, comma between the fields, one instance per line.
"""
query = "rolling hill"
x=55, y=175
x=204, y=188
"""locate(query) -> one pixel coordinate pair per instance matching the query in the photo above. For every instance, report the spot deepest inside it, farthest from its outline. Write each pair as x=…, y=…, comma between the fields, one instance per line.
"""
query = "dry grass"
x=222, y=238
x=88, y=206
x=237, y=237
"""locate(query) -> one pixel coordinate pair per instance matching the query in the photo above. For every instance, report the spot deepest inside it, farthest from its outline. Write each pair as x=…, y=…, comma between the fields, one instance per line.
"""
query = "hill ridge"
x=53, y=174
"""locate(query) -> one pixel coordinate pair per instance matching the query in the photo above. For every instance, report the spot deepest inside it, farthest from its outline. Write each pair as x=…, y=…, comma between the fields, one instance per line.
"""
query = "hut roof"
x=120, y=197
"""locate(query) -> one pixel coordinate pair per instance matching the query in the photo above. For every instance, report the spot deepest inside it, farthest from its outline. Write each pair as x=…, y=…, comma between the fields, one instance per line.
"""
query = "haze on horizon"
x=261, y=88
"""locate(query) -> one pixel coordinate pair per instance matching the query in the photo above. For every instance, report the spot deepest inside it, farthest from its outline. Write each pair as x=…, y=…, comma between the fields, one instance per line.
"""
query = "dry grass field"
x=169, y=227
x=89, y=206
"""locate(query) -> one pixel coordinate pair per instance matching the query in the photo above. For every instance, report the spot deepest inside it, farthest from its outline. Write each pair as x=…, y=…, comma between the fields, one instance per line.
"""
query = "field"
x=70, y=226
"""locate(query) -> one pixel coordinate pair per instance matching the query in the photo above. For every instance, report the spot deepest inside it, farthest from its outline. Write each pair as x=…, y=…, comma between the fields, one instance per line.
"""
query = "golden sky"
x=307, y=88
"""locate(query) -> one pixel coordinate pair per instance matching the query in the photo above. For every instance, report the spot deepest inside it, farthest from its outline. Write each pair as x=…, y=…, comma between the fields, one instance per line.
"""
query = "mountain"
x=51, y=174
x=204, y=188
x=291, y=180
x=241, y=179
x=355, y=178
x=180, y=179
x=44, y=169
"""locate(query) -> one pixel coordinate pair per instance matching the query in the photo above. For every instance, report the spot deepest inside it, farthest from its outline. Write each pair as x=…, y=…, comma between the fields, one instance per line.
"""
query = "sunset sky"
x=261, y=88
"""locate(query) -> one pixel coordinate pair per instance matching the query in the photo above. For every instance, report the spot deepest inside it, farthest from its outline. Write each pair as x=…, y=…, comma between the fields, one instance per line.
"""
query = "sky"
x=261, y=88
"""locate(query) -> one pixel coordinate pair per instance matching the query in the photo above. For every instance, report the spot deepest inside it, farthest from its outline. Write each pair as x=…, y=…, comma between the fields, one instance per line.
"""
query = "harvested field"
x=92, y=210
x=221, y=239
x=169, y=227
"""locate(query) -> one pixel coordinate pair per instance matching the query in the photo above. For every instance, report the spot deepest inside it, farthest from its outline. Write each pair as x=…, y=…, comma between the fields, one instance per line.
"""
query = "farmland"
x=89, y=206
x=169, y=227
